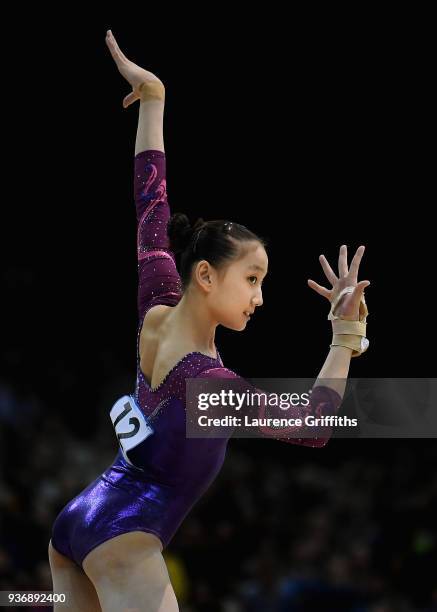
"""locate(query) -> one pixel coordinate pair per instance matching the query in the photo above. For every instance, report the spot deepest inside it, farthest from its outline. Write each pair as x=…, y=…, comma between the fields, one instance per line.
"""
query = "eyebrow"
x=256, y=267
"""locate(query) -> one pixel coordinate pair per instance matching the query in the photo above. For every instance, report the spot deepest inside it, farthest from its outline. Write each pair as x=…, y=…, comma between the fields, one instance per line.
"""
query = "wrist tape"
x=351, y=334
x=151, y=90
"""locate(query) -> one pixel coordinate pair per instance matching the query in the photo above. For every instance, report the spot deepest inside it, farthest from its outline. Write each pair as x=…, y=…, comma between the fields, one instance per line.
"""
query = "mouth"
x=247, y=313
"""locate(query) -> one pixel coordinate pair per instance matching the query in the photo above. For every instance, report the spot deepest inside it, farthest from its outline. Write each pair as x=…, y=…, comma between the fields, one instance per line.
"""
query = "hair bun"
x=199, y=224
x=180, y=231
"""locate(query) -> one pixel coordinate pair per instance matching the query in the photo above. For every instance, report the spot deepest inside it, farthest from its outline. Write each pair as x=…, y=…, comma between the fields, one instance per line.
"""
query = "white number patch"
x=130, y=424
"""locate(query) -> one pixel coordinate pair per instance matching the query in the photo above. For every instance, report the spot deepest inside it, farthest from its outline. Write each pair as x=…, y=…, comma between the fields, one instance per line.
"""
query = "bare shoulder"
x=154, y=317
x=151, y=332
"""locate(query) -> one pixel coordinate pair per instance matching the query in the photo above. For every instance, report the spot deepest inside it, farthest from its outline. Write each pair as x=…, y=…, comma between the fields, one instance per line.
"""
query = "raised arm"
x=158, y=279
x=348, y=315
x=147, y=88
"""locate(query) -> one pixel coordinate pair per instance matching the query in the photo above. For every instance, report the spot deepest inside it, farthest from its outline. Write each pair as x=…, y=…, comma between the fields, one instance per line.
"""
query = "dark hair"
x=219, y=242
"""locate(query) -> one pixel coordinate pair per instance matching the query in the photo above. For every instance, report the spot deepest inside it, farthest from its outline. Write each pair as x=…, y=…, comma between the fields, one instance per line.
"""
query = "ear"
x=204, y=275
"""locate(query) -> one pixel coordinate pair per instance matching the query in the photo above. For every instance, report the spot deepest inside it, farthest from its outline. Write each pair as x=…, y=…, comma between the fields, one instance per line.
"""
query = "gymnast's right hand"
x=133, y=74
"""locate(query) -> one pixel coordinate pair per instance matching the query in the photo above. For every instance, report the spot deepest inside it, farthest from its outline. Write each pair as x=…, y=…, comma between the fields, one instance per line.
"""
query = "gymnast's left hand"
x=349, y=305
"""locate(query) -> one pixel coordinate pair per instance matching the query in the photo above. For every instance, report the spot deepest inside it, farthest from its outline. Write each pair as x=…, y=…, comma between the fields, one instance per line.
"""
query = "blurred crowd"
x=282, y=529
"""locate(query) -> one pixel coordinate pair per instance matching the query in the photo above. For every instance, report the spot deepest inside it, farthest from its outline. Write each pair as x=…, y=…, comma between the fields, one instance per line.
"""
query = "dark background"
x=312, y=136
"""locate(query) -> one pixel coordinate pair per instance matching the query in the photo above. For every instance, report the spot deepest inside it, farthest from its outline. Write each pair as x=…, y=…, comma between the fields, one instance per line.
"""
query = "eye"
x=255, y=277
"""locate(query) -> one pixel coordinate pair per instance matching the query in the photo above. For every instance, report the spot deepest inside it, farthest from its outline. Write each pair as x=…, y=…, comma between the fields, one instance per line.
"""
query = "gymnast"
x=106, y=544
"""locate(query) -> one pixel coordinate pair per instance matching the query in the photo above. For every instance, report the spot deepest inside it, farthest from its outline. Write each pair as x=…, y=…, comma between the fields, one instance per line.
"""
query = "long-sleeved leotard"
x=153, y=486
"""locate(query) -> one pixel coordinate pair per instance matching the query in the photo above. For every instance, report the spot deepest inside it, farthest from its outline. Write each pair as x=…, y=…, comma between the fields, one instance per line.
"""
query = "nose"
x=258, y=300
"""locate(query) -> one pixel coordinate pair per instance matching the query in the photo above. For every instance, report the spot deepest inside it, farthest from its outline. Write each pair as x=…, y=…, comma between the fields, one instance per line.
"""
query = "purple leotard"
x=169, y=472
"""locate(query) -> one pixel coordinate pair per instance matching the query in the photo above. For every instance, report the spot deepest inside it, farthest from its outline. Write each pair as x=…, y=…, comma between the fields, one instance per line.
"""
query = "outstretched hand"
x=134, y=75
x=349, y=304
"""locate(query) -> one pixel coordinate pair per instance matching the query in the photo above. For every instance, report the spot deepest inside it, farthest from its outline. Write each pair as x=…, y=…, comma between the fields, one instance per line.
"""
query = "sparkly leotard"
x=168, y=472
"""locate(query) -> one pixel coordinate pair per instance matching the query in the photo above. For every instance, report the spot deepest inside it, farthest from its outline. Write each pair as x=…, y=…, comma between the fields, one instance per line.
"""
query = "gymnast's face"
x=237, y=290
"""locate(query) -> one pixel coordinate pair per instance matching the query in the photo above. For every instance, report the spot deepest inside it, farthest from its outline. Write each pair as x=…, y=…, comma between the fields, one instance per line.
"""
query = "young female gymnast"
x=106, y=547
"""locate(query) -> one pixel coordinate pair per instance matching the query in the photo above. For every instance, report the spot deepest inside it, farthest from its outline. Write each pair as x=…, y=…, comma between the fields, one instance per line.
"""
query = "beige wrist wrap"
x=351, y=334
x=151, y=90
